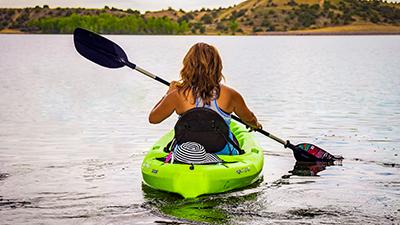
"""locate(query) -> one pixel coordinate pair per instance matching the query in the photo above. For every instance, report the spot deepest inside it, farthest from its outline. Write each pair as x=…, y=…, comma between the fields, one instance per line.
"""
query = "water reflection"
x=216, y=209
x=172, y=205
x=310, y=168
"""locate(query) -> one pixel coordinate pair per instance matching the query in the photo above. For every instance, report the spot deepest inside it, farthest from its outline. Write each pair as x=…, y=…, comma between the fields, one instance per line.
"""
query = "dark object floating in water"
x=4, y=176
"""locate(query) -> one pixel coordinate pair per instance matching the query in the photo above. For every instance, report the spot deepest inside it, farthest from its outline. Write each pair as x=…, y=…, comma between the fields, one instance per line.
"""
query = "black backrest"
x=204, y=126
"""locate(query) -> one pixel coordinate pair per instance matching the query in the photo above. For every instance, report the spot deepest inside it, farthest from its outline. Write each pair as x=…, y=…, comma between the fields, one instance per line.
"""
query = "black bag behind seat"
x=204, y=126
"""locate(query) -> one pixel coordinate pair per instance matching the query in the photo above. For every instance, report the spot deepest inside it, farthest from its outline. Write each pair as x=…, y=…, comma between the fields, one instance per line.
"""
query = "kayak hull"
x=192, y=181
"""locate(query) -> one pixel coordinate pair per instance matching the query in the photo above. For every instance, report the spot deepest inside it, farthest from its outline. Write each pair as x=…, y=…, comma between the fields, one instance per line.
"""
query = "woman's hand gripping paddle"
x=106, y=53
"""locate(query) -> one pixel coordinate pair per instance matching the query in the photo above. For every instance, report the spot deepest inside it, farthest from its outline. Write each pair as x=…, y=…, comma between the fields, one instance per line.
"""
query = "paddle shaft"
x=266, y=133
x=145, y=72
x=153, y=76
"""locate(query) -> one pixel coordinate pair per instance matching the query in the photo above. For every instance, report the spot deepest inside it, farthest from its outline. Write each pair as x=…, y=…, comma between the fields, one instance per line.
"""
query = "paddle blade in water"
x=99, y=49
x=309, y=152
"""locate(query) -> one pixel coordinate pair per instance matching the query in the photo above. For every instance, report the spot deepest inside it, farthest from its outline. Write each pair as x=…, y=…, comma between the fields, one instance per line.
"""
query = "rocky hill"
x=249, y=17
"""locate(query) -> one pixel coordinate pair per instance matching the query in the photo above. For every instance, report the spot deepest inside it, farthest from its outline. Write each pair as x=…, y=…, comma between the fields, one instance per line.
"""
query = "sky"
x=142, y=5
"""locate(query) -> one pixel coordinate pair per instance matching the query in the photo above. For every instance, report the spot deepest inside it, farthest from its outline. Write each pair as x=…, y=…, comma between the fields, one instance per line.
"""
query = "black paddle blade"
x=311, y=153
x=99, y=49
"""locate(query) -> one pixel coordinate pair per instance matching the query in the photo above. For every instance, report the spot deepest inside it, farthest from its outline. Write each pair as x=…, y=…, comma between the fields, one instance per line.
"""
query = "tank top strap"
x=214, y=106
x=220, y=111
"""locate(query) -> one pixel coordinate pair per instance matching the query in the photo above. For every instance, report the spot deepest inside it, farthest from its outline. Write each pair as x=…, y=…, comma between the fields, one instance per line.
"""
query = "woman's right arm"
x=166, y=106
x=240, y=108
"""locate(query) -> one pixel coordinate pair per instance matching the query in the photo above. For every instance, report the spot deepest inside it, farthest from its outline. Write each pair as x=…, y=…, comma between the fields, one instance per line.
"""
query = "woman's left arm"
x=165, y=107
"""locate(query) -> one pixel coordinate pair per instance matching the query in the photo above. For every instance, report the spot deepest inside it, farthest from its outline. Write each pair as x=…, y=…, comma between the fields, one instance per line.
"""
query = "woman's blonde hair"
x=201, y=72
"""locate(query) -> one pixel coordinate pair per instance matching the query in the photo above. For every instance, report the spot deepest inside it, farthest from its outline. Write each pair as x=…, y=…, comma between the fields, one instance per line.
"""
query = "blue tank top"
x=214, y=106
x=228, y=149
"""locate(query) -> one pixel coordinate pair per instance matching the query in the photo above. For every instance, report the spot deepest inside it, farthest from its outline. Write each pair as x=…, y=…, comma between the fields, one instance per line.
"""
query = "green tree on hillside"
x=233, y=26
x=107, y=23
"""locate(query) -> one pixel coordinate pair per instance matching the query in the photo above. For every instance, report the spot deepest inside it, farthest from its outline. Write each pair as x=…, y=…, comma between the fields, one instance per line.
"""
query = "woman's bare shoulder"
x=227, y=90
x=177, y=97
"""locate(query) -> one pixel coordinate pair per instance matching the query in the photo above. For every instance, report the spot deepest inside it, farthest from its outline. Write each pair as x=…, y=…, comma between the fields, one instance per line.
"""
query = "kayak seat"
x=203, y=126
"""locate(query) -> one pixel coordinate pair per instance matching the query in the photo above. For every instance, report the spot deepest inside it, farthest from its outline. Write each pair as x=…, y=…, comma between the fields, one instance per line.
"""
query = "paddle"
x=108, y=54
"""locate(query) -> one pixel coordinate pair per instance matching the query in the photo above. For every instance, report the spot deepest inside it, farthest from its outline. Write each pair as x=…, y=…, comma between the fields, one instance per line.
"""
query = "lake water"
x=73, y=134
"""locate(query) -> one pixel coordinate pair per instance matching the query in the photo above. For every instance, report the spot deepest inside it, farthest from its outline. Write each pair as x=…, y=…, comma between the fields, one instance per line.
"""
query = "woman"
x=200, y=85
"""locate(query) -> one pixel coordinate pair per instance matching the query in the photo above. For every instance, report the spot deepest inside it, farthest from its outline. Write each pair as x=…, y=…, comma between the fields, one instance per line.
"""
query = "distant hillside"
x=249, y=17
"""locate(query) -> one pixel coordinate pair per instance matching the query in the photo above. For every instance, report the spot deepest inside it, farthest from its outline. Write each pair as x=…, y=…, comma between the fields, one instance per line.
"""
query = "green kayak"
x=191, y=181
